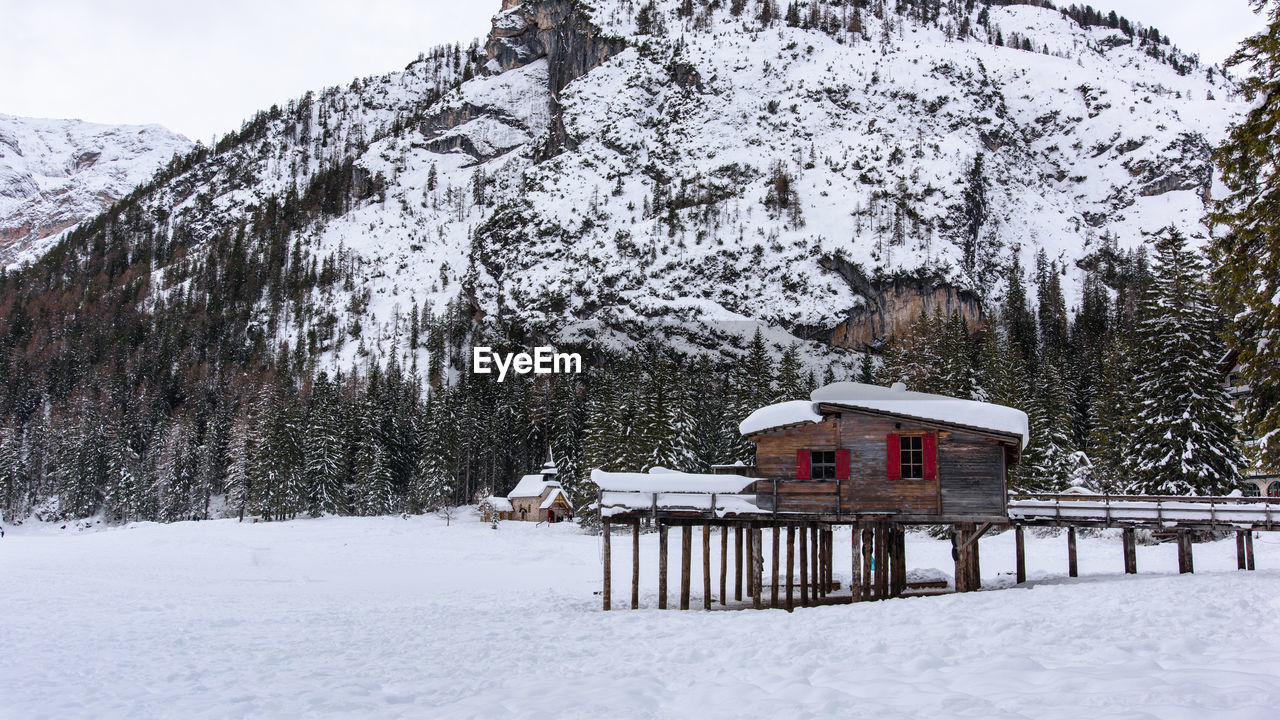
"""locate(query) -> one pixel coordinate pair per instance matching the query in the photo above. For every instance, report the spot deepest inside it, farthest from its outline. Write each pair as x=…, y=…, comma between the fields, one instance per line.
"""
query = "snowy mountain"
x=610, y=172
x=57, y=173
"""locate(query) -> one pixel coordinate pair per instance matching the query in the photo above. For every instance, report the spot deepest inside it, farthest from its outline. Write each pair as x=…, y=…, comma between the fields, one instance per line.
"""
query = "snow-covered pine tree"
x=1246, y=250
x=912, y=357
x=1046, y=463
x=10, y=472
x=956, y=369
x=792, y=384
x=1114, y=414
x=240, y=461
x=433, y=481
x=373, y=479
x=1186, y=437
x=325, y=451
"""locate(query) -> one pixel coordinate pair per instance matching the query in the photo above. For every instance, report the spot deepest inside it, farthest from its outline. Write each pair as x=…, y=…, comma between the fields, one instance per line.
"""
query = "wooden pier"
x=802, y=571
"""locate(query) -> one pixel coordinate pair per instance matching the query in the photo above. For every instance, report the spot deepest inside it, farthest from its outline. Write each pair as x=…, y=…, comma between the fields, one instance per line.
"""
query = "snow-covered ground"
x=392, y=617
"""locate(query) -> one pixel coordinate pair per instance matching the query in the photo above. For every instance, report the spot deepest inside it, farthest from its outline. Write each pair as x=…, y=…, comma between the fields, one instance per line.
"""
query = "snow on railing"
x=1164, y=510
x=623, y=502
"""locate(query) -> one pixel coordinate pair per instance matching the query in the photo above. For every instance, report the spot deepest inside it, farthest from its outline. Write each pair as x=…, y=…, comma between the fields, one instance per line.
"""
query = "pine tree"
x=240, y=462
x=791, y=383
x=325, y=452
x=1246, y=251
x=1186, y=442
x=1114, y=414
x=1046, y=463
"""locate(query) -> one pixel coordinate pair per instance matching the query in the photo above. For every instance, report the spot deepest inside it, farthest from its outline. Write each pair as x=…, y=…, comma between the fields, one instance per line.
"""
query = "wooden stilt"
x=737, y=562
x=855, y=561
x=1130, y=551
x=1248, y=550
x=1185, y=561
x=773, y=577
x=1240, y=561
x=724, y=562
x=751, y=560
x=975, y=561
x=686, y=549
x=882, y=561
x=706, y=567
x=757, y=566
x=820, y=559
x=635, y=565
x=608, y=564
x=868, y=543
x=899, y=567
x=813, y=563
x=827, y=545
x=662, y=565
x=1072, y=570
x=804, y=566
x=1020, y=549
x=791, y=564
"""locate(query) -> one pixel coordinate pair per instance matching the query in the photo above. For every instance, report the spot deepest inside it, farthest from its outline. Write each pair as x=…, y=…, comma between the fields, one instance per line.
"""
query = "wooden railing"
x=1146, y=510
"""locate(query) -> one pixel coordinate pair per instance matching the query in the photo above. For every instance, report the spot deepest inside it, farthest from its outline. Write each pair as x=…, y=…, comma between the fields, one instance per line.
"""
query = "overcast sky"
x=202, y=67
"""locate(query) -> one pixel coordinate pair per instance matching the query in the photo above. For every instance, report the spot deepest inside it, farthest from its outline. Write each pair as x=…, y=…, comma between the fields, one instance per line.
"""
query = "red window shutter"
x=930, y=457
x=842, y=464
x=802, y=464
x=894, y=457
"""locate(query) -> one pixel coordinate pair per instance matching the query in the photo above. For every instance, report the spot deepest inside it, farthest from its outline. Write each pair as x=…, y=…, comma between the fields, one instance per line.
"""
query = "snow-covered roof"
x=551, y=499
x=531, y=486
x=896, y=400
x=780, y=414
x=663, y=480
x=500, y=504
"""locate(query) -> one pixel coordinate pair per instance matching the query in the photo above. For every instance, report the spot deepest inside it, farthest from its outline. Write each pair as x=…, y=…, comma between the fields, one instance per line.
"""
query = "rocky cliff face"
x=56, y=173
x=561, y=32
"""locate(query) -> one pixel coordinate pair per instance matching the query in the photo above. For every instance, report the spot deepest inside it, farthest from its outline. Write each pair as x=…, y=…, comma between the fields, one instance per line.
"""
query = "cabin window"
x=911, y=457
x=822, y=464
x=1251, y=489
x=1273, y=490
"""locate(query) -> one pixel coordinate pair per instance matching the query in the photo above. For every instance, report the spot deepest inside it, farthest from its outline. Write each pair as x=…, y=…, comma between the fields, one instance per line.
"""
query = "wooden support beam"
x=706, y=567
x=804, y=566
x=814, y=566
x=1185, y=563
x=724, y=562
x=1129, y=536
x=608, y=564
x=635, y=565
x=882, y=560
x=1248, y=550
x=1072, y=569
x=1020, y=549
x=855, y=561
x=662, y=565
x=737, y=561
x=750, y=561
x=686, y=549
x=1240, y=561
x=868, y=542
x=828, y=543
x=757, y=566
x=899, y=560
x=975, y=560
x=791, y=564
x=773, y=577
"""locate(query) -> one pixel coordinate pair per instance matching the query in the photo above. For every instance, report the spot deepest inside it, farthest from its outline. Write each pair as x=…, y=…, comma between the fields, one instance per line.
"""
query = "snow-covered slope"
x=583, y=180
x=57, y=173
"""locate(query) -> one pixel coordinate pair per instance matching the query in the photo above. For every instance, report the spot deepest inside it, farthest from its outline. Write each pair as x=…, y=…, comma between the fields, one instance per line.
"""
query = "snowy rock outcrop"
x=56, y=173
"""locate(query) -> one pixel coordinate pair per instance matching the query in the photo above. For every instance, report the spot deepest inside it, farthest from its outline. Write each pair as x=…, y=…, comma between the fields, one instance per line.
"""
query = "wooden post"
x=899, y=567
x=868, y=542
x=1248, y=549
x=737, y=562
x=686, y=549
x=958, y=556
x=750, y=559
x=814, y=566
x=828, y=543
x=608, y=575
x=773, y=578
x=975, y=561
x=882, y=560
x=1240, y=561
x=706, y=567
x=1185, y=564
x=855, y=561
x=1020, y=549
x=635, y=564
x=757, y=566
x=791, y=564
x=724, y=562
x=804, y=566
x=1071, y=553
x=1130, y=551
x=662, y=565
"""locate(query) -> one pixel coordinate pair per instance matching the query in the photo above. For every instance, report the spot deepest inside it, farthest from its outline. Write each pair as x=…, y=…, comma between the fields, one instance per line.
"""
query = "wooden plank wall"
x=970, y=470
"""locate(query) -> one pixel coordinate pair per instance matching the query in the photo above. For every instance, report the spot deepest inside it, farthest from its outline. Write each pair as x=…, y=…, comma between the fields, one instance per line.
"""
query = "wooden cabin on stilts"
x=859, y=464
